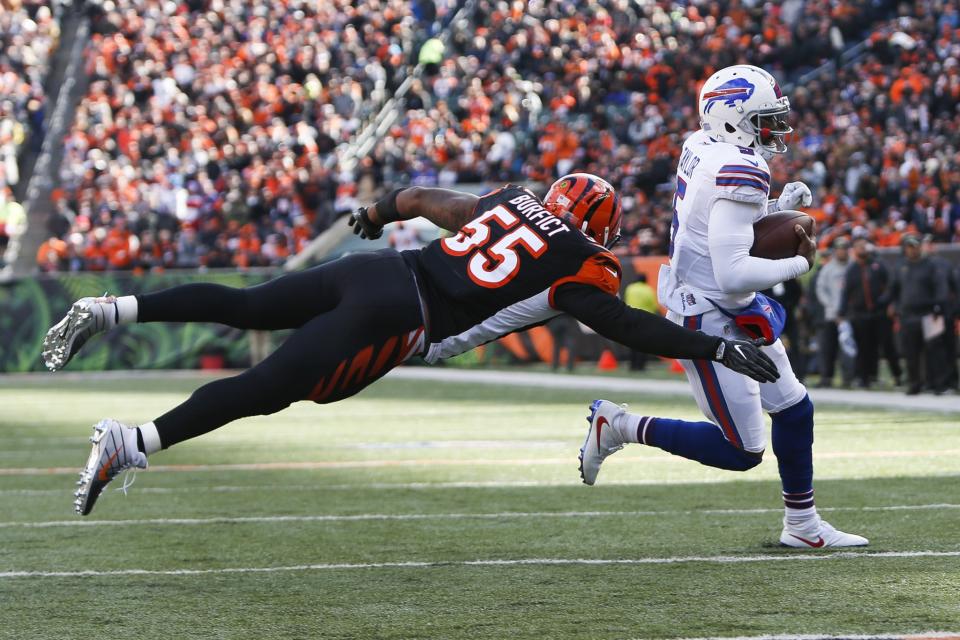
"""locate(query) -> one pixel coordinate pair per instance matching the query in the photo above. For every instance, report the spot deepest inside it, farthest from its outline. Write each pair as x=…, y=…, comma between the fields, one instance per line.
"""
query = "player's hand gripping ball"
x=363, y=226
x=775, y=236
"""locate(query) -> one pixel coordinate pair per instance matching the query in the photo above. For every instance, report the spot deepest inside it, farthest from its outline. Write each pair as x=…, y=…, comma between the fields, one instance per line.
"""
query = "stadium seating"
x=207, y=138
x=29, y=34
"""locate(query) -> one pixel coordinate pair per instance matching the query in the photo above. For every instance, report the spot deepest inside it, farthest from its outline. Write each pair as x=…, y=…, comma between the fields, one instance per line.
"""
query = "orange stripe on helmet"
x=576, y=190
x=584, y=194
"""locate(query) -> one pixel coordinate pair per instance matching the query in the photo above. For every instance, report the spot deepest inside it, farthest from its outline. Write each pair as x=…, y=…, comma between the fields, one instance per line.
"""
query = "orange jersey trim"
x=601, y=270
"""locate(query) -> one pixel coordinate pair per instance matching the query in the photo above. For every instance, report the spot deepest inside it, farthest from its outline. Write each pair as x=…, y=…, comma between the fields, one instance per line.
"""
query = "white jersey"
x=708, y=170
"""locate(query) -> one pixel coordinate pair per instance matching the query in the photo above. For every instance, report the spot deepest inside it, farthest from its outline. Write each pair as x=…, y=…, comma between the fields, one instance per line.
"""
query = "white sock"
x=626, y=424
x=126, y=309
x=151, y=439
x=800, y=518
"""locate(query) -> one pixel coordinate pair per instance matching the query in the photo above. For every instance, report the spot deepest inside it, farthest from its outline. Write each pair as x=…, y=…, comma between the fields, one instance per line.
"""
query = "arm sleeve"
x=730, y=236
x=610, y=317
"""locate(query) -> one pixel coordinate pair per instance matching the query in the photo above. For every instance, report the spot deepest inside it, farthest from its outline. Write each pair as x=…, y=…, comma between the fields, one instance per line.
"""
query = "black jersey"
x=500, y=272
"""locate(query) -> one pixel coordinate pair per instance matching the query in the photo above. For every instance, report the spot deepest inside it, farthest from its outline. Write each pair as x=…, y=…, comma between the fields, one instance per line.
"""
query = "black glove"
x=363, y=226
x=745, y=356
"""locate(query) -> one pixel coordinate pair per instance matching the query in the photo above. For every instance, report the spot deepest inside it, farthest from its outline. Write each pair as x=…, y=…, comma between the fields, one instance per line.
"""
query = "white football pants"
x=731, y=400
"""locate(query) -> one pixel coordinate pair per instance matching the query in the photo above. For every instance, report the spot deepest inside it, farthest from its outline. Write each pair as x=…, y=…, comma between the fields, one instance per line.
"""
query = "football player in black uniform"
x=515, y=262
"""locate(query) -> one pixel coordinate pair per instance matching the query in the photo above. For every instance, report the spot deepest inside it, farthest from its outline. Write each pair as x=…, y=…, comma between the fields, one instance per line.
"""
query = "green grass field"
x=425, y=510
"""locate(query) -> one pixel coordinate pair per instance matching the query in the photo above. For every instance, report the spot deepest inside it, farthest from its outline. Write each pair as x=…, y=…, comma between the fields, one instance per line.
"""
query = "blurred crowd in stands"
x=209, y=132
x=612, y=89
x=29, y=34
x=855, y=309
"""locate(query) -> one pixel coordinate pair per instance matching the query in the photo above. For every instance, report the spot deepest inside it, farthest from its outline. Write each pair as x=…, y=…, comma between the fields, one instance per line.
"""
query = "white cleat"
x=114, y=451
x=86, y=317
x=602, y=439
x=820, y=535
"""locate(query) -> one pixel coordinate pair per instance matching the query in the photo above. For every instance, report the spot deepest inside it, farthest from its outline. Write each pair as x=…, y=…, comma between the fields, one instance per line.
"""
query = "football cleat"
x=87, y=317
x=114, y=451
x=602, y=439
x=820, y=535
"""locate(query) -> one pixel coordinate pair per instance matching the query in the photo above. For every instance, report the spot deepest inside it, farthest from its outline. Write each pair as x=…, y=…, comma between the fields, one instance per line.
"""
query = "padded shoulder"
x=601, y=270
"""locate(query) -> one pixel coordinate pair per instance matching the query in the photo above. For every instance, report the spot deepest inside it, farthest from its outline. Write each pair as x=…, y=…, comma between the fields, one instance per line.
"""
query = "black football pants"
x=354, y=318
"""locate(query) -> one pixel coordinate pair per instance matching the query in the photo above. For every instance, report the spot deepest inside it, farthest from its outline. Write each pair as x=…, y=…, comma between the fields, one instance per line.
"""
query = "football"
x=774, y=236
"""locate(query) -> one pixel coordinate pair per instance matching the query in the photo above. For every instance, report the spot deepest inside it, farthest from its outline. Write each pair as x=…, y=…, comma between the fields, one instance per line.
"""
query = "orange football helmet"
x=589, y=203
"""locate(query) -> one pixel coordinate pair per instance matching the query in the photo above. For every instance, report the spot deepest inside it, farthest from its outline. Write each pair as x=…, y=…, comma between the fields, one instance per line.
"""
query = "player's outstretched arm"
x=730, y=236
x=610, y=317
x=445, y=208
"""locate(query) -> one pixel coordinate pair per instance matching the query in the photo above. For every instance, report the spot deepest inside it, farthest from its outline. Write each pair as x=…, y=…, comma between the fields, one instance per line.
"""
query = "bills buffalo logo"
x=738, y=89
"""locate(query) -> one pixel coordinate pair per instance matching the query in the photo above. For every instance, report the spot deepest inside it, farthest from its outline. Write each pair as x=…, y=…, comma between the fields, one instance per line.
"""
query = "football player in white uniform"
x=723, y=185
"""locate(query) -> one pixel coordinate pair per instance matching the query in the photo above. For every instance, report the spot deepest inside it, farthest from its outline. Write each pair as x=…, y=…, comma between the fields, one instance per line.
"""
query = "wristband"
x=387, y=206
x=721, y=350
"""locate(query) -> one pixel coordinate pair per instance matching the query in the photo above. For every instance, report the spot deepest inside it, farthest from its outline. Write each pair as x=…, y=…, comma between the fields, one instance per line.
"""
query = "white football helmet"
x=743, y=105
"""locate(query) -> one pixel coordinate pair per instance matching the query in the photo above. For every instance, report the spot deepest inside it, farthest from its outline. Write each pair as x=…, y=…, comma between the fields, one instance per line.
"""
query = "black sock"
x=140, y=445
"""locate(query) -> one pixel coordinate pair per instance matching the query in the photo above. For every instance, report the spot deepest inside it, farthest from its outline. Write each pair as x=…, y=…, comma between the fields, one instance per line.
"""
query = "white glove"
x=795, y=194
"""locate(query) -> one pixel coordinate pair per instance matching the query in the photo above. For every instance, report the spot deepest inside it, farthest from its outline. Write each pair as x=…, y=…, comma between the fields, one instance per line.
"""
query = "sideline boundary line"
x=600, y=384
x=616, y=384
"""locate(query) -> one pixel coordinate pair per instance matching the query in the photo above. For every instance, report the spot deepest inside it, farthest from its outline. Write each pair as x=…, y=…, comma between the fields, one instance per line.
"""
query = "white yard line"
x=415, y=486
x=363, y=517
x=785, y=557
x=453, y=462
x=920, y=635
